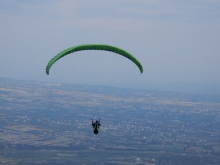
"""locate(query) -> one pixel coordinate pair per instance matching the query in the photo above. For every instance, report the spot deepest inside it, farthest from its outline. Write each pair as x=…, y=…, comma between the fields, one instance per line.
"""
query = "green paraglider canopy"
x=93, y=47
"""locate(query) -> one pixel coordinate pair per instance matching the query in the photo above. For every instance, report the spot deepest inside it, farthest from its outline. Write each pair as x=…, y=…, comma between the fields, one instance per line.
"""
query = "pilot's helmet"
x=97, y=121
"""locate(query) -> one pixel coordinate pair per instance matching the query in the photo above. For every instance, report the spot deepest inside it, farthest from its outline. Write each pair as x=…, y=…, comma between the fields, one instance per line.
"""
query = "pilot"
x=95, y=126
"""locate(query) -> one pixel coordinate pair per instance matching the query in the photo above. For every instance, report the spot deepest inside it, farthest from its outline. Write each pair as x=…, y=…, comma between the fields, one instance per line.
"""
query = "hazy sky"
x=176, y=41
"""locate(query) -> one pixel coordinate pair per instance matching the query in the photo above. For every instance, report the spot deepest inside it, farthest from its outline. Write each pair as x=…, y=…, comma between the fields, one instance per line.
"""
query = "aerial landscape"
x=50, y=123
x=109, y=82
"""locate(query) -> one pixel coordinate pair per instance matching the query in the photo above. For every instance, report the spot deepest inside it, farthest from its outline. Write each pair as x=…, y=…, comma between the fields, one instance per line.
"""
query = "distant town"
x=50, y=123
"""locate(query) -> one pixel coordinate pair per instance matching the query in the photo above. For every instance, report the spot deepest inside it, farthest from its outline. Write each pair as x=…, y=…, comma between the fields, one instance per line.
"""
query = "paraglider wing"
x=93, y=47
